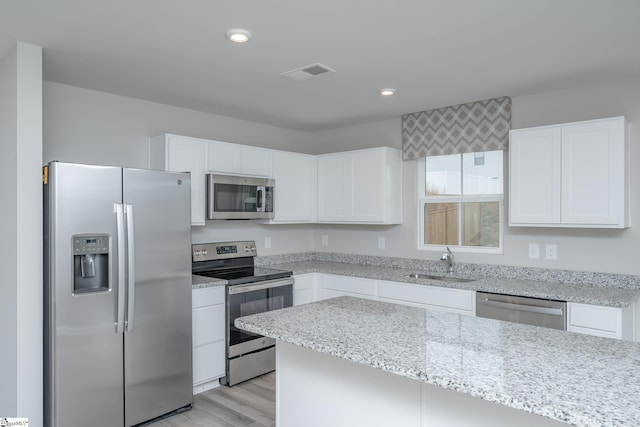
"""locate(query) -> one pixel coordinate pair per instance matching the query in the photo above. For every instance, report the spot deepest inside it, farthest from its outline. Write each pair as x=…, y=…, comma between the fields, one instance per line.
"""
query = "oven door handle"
x=249, y=287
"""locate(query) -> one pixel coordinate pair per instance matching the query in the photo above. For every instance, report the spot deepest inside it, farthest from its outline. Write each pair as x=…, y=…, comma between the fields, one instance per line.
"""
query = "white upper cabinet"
x=570, y=175
x=227, y=158
x=295, y=194
x=534, y=166
x=362, y=186
x=182, y=154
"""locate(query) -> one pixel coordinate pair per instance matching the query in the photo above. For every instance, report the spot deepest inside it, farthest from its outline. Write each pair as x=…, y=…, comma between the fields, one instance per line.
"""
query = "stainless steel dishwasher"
x=531, y=311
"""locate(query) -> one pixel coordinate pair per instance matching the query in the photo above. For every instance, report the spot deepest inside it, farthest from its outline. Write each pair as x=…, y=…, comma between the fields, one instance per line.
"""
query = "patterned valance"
x=464, y=128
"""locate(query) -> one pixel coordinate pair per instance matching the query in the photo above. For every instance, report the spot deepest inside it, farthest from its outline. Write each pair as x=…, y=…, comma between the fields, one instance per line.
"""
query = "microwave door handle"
x=260, y=198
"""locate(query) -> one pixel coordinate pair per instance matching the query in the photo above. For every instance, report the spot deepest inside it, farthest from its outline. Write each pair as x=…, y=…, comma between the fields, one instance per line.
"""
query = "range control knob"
x=246, y=249
x=253, y=248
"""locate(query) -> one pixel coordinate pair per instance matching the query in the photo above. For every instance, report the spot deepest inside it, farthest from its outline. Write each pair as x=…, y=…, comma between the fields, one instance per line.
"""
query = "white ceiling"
x=435, y=53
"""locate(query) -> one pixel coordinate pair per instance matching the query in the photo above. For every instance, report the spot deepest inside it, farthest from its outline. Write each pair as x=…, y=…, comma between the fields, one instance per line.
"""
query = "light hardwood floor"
x=248, y=404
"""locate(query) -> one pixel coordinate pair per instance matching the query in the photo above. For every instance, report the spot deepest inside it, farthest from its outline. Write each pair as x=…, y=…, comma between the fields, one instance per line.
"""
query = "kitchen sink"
x=444, y=278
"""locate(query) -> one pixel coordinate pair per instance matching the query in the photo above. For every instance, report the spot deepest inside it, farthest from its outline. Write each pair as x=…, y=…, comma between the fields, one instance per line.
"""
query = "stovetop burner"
x=232, y=261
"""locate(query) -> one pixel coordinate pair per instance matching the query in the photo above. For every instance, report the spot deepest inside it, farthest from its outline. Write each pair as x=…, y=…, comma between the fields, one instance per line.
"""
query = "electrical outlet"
x=267, y=242
x=551, y=251
x=325, y=240
x=381, y=242
x=534, y=251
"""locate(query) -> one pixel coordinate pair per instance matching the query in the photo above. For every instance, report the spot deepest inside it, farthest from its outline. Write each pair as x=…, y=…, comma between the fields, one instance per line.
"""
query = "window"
x=461, y=201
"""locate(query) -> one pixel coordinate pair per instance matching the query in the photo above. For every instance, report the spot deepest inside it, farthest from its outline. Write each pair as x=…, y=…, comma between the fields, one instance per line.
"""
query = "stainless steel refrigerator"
x=117, y=295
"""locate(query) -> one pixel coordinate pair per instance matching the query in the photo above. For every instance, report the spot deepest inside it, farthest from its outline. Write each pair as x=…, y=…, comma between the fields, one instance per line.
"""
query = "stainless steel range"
x=250, y=290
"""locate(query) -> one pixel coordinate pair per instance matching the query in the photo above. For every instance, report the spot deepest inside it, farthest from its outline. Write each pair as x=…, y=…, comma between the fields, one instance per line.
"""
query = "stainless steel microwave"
x=239, y=197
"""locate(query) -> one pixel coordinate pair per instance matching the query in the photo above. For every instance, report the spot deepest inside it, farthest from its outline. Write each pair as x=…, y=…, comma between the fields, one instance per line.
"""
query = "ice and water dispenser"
x=90, y=263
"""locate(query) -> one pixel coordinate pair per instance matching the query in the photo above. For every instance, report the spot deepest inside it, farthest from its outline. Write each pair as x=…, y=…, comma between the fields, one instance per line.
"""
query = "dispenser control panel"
x=84, y=245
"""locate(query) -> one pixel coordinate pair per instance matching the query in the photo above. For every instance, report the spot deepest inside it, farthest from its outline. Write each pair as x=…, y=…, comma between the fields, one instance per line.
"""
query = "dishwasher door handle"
x=522, y=307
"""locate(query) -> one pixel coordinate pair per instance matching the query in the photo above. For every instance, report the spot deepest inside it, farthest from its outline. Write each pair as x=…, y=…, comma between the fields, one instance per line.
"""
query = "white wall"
x=614, y=251
x=86, y=126
x=21, y=231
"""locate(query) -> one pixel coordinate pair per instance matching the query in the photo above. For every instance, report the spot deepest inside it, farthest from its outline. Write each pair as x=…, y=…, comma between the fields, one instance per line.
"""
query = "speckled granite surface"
x=476, y=270
x=579, y=379
x=198, y=282
x=581, y=287
x=580, y=293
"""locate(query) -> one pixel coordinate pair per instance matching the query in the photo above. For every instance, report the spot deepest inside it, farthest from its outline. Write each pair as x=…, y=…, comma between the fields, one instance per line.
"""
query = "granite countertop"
x=579, y=293
x=199, y=282
x=578, y=379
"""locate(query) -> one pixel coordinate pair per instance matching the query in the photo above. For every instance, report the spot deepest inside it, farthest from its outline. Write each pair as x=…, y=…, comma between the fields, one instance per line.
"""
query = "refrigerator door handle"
x=121, y=251
x=131, y=268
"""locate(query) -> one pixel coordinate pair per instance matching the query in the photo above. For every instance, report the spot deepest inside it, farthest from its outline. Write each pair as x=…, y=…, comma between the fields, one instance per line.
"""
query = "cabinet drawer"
x=303, y=281
x=456, y=300
x=207, y=296
x=208, y=324
x=302, y=296
x=353, y=285
x=604, y=319
x=208, y=362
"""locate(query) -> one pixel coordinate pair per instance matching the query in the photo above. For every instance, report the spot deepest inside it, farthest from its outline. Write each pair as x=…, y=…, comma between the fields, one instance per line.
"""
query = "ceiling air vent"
x=307, y=72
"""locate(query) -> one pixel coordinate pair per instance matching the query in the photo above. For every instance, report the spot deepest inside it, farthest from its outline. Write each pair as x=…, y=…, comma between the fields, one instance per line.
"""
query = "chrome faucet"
x=448, y=258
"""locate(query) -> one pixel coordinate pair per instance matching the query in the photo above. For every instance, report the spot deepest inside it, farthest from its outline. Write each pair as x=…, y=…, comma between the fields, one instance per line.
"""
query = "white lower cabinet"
x=304, y=288
x=609, y=322
x=453, y=300
x=208, y=337
x=334, y=286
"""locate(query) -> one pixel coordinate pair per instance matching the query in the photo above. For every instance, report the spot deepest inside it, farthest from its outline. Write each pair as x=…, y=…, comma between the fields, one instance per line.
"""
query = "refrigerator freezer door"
x=158, y=372
x=83, y=351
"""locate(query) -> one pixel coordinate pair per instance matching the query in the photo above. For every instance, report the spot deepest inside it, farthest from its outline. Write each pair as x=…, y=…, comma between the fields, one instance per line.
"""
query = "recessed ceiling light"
x=387, y=91
x=238, y=36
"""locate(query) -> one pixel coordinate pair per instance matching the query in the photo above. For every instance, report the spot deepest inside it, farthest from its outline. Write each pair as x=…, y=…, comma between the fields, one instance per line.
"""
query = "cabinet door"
x=208, y=335
x=453, y=300
x=238, y=159
x=600, y=321
x=592, y=172
x=534, y=175
x=208, y=362
x=206, y=324
x=333, y=286
x=256, y=161
x=295, y=195
x=186, y=155
x=334, y=188
x=223, y=157
x=368, y=173
x=304, y=288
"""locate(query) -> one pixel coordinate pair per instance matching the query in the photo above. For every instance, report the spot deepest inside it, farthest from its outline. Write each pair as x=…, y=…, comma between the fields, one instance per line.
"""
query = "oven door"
x=239, y=197
x=253, y=298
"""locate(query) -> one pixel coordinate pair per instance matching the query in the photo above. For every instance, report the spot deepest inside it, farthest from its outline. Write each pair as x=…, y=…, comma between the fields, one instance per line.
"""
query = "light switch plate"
x=534, y=250
x=381, y=242
x=551, y=251
x=325, y=240
x=267, y=242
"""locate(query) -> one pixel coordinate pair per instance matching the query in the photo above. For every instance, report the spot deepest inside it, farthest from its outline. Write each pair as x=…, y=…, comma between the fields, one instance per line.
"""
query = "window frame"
x=422, y=200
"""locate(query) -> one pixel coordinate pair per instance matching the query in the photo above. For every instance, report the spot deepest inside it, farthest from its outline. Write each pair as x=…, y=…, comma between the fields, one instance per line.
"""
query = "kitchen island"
x=349, y=361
